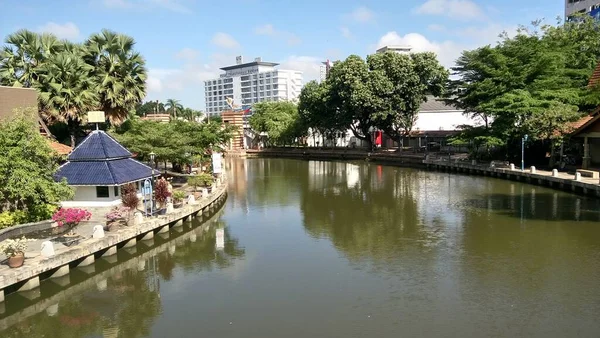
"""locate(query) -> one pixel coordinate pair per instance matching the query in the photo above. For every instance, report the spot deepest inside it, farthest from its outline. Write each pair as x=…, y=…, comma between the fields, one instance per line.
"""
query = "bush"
x=129, y=197
x=161, y=191
x=201, y=180
x=70, y=216
x=117, y=213
x=178, y=196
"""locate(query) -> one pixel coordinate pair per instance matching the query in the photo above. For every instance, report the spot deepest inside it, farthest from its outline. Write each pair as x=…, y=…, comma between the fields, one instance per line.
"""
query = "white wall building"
x=583, y=6
x=397, y=49
x=249, y=83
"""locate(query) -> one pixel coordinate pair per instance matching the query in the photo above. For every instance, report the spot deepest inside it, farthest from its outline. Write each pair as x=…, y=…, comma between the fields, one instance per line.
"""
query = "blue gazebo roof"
x=100, y=160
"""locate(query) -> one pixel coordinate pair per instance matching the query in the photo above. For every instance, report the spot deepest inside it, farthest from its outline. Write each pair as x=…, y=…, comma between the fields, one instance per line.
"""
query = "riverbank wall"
x=27, y=277
x=573, y=183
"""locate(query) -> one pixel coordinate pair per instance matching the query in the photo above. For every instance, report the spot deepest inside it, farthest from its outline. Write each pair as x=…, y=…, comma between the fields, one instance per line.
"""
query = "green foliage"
x=27, y=166
x=534, y=83
x=385, y=91
x=103, y=73
x=201, y=180
x=179, y=196
x=280, y=120
x=173, y=106
x=149, y=107
x=176, y=141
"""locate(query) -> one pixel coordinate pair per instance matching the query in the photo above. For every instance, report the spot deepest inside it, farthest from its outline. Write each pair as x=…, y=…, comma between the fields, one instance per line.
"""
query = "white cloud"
x=67, y=31
x=170, y=5
x=455, y=9
x=361, y=15
x=187, y=54
x=346, y=32
x=224, y=40
x=310, y=66
x=487, y=35
x=267, y=29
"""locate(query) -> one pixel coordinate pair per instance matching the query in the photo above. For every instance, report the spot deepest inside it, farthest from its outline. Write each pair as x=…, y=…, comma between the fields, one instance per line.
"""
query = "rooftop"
x=100, y=160
x=250, y=64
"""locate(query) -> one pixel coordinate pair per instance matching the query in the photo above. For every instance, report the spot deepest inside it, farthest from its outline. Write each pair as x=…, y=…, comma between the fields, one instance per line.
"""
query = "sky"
x=185, y=42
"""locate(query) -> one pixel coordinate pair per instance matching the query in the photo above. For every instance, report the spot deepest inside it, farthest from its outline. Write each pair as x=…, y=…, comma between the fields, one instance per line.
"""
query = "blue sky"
x=186, y=41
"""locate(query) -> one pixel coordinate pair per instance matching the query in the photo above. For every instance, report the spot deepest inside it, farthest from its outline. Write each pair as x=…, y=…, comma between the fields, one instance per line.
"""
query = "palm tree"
x=24, y=54
x=173, y=106
x=66, y=91
x=119, y=72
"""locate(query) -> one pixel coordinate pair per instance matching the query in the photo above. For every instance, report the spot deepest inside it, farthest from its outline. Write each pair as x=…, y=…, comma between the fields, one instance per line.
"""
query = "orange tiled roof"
x=595, y=79
x=60, y=148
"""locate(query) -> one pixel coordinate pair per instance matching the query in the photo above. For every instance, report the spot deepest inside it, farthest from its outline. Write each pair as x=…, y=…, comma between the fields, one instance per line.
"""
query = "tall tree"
x=318, y=112
x=173, y=106
x=118, y=70
x=66, y=92
x=410, y=78
x=23, y=55
x=280, y=120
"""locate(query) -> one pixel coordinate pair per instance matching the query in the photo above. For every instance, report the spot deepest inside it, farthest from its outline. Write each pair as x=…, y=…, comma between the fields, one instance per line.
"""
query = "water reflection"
x=122, y=299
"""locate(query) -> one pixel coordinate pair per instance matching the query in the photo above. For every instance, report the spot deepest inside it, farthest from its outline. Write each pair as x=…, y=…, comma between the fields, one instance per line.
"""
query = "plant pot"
x=16, y=261
x=178, y=205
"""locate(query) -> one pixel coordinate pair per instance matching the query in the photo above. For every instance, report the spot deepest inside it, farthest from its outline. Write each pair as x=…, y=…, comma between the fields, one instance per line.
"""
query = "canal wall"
x=28, y=276
x=97, y=279
x=573, y=183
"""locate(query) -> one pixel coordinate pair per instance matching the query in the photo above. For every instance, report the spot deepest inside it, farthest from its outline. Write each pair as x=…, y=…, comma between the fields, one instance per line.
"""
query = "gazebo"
x=97, y=168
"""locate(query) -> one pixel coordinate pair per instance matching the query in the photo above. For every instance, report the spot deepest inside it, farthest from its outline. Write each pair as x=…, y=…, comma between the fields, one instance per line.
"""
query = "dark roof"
x=98, y=145
x=114, y=172
x=250, y=64
x=434, y=104
x=100, y=160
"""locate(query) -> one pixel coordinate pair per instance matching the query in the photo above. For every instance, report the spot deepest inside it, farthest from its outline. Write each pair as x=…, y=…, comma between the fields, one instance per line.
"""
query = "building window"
x=116, y=191
x=101, y=192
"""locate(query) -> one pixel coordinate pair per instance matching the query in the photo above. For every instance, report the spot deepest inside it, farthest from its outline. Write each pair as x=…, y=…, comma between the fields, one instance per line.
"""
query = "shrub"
x=117, y=213
x=129, y=196
x=70, y=216
x=13, y=247
x=178, y=196
x=161, y=191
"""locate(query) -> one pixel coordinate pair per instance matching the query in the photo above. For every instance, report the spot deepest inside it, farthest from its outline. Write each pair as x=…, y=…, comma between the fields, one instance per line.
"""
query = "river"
x=334, y=249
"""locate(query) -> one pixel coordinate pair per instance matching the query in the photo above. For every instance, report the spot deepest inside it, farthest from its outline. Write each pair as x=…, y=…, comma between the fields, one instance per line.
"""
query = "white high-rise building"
x=582, y=6
x=248, y=83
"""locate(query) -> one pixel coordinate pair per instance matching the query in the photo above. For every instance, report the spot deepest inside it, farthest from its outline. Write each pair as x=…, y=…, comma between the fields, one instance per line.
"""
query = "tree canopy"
x=384, y=91
x=102, y=73
x=28, y=191
x=280, y=120
x=534, y=83
x=176, y=141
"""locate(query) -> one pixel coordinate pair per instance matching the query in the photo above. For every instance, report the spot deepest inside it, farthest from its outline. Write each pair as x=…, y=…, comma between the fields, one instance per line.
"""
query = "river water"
x=333, y=249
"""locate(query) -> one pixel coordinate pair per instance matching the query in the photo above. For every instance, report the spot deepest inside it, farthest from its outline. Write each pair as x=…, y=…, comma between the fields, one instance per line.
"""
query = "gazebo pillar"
x=586, y=153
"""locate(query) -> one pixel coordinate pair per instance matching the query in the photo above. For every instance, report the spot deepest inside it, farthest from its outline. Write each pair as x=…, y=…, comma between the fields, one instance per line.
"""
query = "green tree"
x=318, y=112
x=66, y=92
x=534, y=83
x=353, y=89
x=119, y=72
x=173, y=106
x=23, y=55
x=410, y=79
x=149, y=107
x=280, y=120
x=27, y=164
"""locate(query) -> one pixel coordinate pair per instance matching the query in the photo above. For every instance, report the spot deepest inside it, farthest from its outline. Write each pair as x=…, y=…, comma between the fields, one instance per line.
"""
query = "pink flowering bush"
x=117, y=213
x=70, y=216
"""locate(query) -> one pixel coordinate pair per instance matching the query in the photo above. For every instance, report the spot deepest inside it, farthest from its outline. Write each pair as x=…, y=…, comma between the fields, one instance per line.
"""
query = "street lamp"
x=523, y=140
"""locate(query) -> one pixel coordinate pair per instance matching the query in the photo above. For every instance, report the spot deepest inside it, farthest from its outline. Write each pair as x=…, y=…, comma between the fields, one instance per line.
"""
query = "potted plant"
x=206, y=180
x=14, y=249
x=178, y=197
x=70, y=217
x=162, y=193
x=115, y=217
x=129, y=198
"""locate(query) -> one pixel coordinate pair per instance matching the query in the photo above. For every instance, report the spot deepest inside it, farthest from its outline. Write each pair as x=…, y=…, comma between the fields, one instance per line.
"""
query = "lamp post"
x=152, y=156
x=523, y=140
